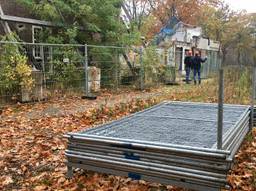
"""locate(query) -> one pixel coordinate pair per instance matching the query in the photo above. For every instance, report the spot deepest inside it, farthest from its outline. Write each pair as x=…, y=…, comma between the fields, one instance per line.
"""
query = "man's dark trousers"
x=187, y=68
x=197, y=71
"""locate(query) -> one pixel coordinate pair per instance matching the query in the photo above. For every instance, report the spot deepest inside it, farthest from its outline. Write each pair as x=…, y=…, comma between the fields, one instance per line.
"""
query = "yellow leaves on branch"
x=22, y=71
x=9, y=73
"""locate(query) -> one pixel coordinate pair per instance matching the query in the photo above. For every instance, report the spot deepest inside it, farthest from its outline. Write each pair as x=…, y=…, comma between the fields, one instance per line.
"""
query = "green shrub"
x=154, y=70
x=14, y=70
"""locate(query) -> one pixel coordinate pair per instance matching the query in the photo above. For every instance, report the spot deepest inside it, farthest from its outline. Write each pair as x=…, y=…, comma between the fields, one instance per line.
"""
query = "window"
x=37, y=50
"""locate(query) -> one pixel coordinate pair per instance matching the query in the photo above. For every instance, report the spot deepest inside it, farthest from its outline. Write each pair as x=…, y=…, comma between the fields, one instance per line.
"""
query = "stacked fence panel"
x=171, y=143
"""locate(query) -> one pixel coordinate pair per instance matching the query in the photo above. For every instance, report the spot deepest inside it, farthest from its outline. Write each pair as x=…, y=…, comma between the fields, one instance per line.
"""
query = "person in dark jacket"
x=197, y=63
x=188, y=64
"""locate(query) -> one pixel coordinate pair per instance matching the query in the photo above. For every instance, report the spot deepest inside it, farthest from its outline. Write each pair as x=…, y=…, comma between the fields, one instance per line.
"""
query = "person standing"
x=188, y=65
x=197, y=63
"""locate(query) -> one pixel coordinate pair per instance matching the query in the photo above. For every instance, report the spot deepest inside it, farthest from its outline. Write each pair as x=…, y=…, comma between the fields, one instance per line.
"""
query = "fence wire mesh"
x=38, y=71
x=238, y=80
x=34, y=72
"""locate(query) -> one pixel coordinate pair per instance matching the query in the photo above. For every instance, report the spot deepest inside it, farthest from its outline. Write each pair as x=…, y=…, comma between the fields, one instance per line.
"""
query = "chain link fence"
x=34, y=72
x=239, y=77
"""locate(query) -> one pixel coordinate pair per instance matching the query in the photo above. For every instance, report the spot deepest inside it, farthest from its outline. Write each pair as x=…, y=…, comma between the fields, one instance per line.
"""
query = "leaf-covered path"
x=32, y=145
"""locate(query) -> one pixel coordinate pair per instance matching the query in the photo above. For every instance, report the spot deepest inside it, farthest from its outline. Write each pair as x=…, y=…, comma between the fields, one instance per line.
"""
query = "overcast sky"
x=249, y=5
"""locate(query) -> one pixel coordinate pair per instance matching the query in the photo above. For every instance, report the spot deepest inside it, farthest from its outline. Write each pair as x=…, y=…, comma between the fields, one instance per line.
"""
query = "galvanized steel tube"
x=146, y=143
x=220, y=109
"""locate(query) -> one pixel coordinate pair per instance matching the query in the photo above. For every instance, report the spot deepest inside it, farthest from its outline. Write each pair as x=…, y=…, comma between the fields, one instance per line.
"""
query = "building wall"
x=206, y=45
x=11, y=7
x=183, y=40
x=1, y=29
x=185, y=34
x=24, y=31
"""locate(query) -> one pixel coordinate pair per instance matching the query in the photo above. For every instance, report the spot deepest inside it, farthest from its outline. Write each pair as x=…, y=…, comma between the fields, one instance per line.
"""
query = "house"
x=252, y=24
x=178, y=37
x=19, y=20
x=15, y=18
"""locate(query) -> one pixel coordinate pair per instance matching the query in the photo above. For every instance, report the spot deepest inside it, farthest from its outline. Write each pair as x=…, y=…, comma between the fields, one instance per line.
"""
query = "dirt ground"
x=67, y=105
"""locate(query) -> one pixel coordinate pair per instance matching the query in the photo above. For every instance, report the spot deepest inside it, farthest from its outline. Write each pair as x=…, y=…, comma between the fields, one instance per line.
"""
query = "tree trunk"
x=129, y=64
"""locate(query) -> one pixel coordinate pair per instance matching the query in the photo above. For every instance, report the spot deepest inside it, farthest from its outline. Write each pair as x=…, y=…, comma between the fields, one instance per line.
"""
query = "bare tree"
x=134, y=11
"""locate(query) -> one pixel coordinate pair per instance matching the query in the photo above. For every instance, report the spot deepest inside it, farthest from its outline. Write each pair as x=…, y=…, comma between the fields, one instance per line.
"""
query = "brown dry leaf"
x=6, y=180
x=61, y=180
x=33, y=144
x=40, y=188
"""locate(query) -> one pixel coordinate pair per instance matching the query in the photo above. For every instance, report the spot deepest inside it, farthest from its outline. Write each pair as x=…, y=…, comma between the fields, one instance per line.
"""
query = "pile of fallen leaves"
x=32, y=149
x=243, y=174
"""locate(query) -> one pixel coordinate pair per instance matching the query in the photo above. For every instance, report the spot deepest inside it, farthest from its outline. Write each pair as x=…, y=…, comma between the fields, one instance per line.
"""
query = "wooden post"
x=5, y=24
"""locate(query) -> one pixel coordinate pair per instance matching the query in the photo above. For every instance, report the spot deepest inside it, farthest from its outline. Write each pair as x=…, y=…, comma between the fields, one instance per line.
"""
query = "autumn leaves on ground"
x=32, y=146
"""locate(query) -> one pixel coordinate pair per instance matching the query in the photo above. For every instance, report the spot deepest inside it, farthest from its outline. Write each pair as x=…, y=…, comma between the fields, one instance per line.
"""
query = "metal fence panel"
x=63, y=69
x=76, y=69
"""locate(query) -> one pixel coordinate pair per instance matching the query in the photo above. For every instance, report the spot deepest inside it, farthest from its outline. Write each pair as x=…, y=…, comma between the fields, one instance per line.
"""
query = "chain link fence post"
x=220, y=107
x=253, y=96
x=116, y=69
x=142, y=70
x=43, y=66
x=86, y=70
